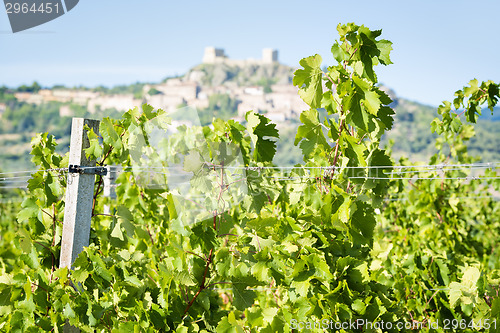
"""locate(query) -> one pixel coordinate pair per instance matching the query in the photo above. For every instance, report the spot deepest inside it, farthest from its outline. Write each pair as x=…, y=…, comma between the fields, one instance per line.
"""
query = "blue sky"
x=438, y=45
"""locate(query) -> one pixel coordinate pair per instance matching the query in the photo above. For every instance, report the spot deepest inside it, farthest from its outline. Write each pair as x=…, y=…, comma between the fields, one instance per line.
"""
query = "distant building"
x=214, y=55
x=121, y=102
x=254, y=91
x=269, y=56
x=81, y=97
x=175, y=87
x=29, y=97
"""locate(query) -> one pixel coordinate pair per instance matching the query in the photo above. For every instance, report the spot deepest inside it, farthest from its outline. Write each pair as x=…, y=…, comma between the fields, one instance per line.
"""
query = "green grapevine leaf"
x=264, y=135
x=310, y=133
x=243, y=298
x=192, y=162
x=309, y=80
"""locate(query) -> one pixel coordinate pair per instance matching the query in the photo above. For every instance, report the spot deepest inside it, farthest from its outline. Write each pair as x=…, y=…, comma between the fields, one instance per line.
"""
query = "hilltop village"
x=263, y=85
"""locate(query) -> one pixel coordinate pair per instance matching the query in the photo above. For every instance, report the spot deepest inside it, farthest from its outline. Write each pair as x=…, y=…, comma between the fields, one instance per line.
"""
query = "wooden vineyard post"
x=79, y=193
x=79, y=197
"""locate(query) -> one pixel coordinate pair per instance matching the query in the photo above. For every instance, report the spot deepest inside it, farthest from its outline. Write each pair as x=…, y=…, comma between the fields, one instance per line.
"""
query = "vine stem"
x=335, y=86
x=222, y=235
x=196, y=255
x=54, y=220
x=101, y=179
x=48, y=214
x=335, y=158
x=209, y=258
x=109, y=151
x=202, y=285
x=97, y=192
x=150, y=235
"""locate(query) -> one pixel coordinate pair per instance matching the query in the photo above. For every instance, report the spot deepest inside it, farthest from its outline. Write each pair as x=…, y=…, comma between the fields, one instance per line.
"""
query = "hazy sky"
x=438, y=45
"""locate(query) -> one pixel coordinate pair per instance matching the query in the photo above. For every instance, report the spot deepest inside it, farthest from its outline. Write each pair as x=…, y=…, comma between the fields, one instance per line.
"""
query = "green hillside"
x=413, y=139
x=411, y=136
x=213, y=75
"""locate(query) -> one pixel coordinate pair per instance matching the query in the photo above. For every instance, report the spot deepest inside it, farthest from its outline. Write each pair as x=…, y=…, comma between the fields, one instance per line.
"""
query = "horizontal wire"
x=20, y=177
x=427, y=178
x=257, y=168
x=429, y=168
x=439, y=169
x=33, y=171
x=167, y=173
x=400, y=194
x=390, y=178
x=432, y=166
x=14, y=181
x=10, y=201
x=287, y=178
x=17, y=172
x=252, y=289
x=467, y=178
x=460, y=198
x=388, y=174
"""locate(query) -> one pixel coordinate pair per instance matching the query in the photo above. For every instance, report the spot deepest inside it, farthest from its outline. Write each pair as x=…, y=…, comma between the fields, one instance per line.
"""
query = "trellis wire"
x=459, y=198
x=256, y=168
x=13, y=177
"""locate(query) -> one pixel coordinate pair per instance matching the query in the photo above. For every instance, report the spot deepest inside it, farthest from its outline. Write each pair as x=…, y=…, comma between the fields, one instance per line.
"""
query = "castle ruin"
x=214, y=55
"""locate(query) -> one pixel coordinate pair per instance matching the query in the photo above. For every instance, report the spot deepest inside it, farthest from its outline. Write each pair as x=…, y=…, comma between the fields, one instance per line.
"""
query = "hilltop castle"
x=281, y=100
x=213, y=55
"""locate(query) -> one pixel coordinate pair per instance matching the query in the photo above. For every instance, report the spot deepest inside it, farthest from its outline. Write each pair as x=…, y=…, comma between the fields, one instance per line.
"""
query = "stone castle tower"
x=214, y=55
x=269, y=56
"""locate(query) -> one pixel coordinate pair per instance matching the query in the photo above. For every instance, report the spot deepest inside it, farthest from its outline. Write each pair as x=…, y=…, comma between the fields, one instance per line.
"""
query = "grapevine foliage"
x=318, y=242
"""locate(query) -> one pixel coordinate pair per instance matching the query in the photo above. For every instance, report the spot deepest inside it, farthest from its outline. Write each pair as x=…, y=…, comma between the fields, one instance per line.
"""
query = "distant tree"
x=6, y=95
x=266, y=84
x=154, y=91
x=35, y=87
x=176, y=76
x=101, y=88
